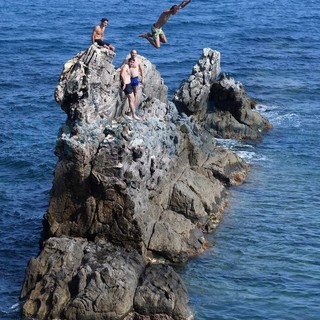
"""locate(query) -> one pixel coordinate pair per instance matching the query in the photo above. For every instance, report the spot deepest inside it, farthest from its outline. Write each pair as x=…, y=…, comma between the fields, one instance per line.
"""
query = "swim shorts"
x=128, y=89
x=135, y=81
x=156, y=32
x=101, y=42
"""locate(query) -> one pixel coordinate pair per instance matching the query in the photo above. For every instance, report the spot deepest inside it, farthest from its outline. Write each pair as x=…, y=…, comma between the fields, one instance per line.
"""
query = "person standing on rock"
x=98, y=35
x=157, y=35
x=136, y=69
x=125, y=75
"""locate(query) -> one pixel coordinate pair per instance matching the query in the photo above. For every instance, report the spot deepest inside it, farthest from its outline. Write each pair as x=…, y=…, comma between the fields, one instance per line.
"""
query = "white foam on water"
x=277, y=115
x=250, y=156
x=226, y=143
x=243, y=150
x=15, y=307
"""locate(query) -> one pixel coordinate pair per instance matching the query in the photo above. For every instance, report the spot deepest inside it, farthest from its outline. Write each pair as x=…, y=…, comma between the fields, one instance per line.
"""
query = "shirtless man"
x=98, y=35
x=125, y=75
x=135, y=70
x=157, y=34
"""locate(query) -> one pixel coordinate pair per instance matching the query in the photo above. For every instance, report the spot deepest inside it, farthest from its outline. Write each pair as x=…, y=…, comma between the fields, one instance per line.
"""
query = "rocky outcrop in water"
x=130, y=198
x=219, y=104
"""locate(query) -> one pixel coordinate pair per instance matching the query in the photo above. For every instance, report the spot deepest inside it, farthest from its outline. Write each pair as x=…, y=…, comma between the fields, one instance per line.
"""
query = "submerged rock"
x=130, y=197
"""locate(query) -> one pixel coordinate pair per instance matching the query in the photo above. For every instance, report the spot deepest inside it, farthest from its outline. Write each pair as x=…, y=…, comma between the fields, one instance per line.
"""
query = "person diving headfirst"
x=157, y=35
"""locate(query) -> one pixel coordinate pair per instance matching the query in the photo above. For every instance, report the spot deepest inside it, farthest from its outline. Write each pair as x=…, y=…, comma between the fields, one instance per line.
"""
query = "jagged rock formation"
x=219, y=104
x=129, y=197
x=96, y=280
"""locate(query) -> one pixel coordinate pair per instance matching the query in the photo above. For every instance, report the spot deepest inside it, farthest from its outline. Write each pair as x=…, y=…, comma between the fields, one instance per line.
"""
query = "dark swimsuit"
x=101, y=42
x=128, y=89
x=135, y=81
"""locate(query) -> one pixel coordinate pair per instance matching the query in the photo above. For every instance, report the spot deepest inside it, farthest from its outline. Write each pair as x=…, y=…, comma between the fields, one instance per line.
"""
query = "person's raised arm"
x=184, y=3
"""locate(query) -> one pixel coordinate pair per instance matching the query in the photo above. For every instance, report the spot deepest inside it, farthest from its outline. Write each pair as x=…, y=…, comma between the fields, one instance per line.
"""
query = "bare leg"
x=110, y=47
x=163, y=38
x=148, y=36
x=132, y=105
x=135, y=93
x=145, y=35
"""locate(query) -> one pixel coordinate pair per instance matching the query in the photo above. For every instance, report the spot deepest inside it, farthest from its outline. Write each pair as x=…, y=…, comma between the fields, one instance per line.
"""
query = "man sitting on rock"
x=98, y=35
x=125, y=75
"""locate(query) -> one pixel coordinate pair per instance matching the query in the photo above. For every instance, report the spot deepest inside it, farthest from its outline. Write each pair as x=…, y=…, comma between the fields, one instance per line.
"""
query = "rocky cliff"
x=130, y=198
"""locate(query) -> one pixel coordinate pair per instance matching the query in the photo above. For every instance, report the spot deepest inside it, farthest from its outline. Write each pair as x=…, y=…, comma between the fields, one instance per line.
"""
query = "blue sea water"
x=264, y=262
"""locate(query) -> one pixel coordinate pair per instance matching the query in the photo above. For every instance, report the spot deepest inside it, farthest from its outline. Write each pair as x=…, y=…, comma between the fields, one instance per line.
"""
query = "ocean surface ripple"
x=264, y=259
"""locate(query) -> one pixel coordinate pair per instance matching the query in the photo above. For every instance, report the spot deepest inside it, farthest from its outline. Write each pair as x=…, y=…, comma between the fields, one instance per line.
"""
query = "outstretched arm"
x=176, y=7
x=184, y=3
